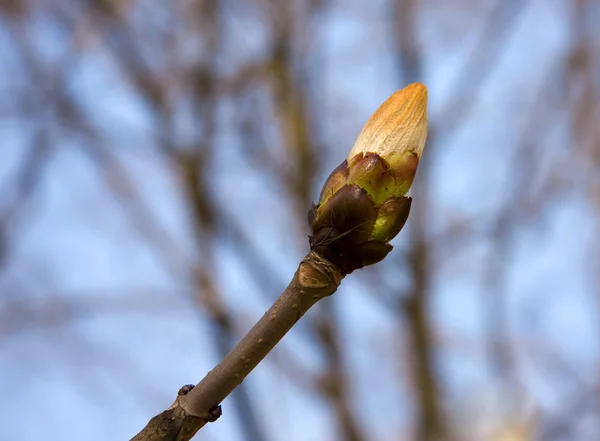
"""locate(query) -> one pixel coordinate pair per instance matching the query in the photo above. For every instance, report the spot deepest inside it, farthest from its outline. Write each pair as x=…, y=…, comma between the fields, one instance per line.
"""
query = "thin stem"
x=315, y=279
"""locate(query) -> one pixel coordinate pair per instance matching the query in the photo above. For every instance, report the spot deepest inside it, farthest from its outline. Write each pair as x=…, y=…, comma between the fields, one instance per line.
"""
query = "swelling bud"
x=364, y=203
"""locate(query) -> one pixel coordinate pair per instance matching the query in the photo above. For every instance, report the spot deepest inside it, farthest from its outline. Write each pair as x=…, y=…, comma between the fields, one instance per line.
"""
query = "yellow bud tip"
x=398, y=126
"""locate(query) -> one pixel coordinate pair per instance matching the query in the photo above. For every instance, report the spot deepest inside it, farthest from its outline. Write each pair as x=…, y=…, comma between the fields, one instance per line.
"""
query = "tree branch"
x=315, y=279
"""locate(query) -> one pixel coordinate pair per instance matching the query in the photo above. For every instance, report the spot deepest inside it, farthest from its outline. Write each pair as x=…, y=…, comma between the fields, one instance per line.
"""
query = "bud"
x=363, y=204
x=398, y=126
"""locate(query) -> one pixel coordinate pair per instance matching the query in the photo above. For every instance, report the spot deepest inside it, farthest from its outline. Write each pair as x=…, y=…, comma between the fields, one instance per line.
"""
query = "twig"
x=361, y=191
x=315, y=279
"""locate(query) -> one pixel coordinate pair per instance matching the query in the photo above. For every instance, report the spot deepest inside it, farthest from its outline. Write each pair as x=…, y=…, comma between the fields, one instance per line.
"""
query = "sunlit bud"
x=363, y=204
x=399, y=126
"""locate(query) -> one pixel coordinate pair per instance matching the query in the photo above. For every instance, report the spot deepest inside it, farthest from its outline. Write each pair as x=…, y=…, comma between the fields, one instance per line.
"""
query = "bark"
x=315, y=279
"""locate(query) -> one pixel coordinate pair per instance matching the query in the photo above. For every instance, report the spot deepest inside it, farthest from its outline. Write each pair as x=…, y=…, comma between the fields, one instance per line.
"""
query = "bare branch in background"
x=172, y=114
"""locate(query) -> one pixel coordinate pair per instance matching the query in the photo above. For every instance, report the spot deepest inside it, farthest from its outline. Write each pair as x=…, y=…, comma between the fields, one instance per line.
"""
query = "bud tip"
x=399, y=125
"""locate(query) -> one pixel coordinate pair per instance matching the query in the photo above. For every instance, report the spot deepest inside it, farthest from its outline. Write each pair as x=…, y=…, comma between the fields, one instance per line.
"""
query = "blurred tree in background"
x=158, y=159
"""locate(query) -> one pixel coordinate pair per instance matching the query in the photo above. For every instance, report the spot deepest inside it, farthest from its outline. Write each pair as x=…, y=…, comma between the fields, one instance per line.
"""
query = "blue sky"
x=132, y=334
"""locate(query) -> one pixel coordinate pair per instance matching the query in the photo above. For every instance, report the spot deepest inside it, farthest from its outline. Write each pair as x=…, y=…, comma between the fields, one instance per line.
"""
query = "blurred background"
x=157, y=162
